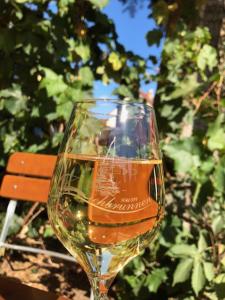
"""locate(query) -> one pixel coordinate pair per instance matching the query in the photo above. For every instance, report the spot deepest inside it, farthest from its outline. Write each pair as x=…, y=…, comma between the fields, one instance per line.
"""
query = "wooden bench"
x=27, y=178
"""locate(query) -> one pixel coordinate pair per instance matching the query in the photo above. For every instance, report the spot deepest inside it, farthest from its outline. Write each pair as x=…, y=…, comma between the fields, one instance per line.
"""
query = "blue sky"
x=131, y=31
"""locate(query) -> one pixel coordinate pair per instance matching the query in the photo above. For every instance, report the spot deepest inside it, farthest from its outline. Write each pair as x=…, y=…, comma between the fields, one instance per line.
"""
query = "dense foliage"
x=188, y=259
x=50, y=55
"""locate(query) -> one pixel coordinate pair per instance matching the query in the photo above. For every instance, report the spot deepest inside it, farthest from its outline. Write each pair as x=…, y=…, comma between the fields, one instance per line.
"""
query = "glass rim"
x=111, y=100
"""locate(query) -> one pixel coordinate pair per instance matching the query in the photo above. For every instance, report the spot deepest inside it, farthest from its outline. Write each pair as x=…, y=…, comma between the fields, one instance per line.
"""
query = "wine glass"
x=106, y=198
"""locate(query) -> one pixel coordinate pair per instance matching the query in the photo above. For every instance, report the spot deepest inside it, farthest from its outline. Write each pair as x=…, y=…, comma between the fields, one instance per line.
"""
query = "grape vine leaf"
x=182, y=250
x=209, y=270
x=207, y=57
x=99, y=3
x=52, y=82
x=202, y=244
x=155, y=279
x=154, y=37
x=183, y=270
x=198, y=277
x=216, y=134
x=115, y=61
x=185, y=87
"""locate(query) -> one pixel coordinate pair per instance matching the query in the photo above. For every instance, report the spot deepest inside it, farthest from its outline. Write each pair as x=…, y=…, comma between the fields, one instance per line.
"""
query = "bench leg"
x=8, y=219
x=92, y=295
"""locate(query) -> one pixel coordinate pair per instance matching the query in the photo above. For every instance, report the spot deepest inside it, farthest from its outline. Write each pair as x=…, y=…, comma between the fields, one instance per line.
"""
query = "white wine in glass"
x=106, y=200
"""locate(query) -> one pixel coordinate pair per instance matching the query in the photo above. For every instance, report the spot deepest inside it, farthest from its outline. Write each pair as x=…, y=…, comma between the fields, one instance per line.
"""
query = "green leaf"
x=209, y=270
x=38, y=147
x=139, y=266
x=185, y=154
x=10, y=142
x=105, y=79
x=64, y=109
x=45, y=25
x=135, y=282
x=155, y=279
x=202, y=245
x=207, y=57
x=13, y=100
x=14, y=106
x=154, y=37
x=83, y=50
x=48, y=232
x=167, y=110
x=123, y=90
x=115, y=61
x=153, y=59
x=183, y=271
x=71, y=94
x=99, y=3
x=216, y=134
x=86, y=76
x=100, y=70
x=63, y=6
x=182, y=250
x=21, y=1
x=52, y=82
x=185, y=87
x=198, y=277
x=57, y=139
x=218, y=223
x=66, y=2
x=19, y=14
x=219, y=176
x=217, y=140
x=207, y=166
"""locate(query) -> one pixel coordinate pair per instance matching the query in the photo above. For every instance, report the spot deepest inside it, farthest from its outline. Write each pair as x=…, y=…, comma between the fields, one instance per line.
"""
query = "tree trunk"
x=213, y=16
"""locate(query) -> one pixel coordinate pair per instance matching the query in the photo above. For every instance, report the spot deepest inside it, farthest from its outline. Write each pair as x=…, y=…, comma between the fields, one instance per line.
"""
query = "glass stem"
x=100, y=296
x=100, y=288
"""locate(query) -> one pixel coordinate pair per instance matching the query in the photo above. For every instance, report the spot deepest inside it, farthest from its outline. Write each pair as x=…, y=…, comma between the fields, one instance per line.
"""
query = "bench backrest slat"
x=25, y=188
x=31, y=164
x=28, y=177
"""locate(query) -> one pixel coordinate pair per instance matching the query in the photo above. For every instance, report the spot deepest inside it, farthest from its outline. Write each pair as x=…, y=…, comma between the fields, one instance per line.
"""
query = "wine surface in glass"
x=105, y=210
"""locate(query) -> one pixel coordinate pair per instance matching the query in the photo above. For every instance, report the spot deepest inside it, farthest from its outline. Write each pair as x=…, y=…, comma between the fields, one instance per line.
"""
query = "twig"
x=204, y=96
x=30, y=213
x=189, y=220
x=24, y=228
x=8, y=260
x=35, y=215
x=196, y=193
x=213, y=243
x=218, y=90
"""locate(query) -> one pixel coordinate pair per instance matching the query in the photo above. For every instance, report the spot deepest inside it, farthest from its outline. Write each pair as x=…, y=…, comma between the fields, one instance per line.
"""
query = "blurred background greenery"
x=51, y=58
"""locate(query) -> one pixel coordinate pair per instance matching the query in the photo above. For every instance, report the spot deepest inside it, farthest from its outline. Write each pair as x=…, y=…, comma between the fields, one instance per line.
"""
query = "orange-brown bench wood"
x=31, y=164
x=25, y=188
